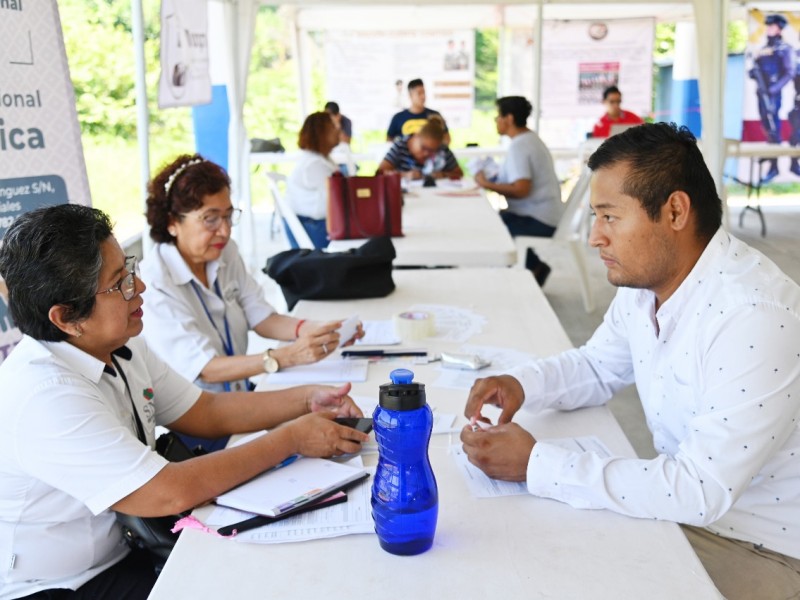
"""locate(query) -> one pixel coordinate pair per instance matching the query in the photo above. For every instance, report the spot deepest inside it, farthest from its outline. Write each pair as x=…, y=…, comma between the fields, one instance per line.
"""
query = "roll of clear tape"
x=414, y=325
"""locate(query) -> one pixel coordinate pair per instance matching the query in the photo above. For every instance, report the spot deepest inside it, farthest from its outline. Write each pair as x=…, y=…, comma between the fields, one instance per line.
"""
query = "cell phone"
x=362, y=424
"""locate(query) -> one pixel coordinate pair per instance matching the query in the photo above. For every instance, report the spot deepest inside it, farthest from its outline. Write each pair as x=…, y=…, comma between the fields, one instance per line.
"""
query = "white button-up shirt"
x=717, y=369
x=69, y=450
x=176, y=325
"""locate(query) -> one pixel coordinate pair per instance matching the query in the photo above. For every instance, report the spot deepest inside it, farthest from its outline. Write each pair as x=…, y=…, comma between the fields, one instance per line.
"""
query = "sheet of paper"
x=502, y=359
x=379, y=333
x=351, y=517
x=330, y=370
x=348, y=330
x=482, y=486
x=453, y=324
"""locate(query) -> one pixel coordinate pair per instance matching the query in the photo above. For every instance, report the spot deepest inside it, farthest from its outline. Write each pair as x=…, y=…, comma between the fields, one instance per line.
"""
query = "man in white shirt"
x=709, y=331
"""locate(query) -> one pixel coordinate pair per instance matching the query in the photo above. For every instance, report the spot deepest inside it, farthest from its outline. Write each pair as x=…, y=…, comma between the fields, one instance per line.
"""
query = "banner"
x=582, y=58
x=41, y=157
x=367, y=74
x=185, y=79
x=771, y=103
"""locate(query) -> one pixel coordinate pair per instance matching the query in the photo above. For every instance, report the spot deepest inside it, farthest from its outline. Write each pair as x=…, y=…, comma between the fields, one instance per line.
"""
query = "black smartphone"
x=363, y=424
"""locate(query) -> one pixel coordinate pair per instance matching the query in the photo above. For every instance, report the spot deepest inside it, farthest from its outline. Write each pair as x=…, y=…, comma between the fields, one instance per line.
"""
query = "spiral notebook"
x=277, y=491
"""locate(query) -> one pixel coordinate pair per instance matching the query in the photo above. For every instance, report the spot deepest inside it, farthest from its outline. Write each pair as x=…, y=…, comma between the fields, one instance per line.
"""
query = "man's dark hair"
x=662, y=159
x=612, y=89
x=51, y=256
x=332, y=108
x=517, y=106
x=415, y=83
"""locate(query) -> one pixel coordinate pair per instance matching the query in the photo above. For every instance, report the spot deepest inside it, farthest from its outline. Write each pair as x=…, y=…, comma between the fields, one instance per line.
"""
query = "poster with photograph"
x=771, y=106
x=368, y=73
x=582, y=58
x=185, y=78
x=41, y=156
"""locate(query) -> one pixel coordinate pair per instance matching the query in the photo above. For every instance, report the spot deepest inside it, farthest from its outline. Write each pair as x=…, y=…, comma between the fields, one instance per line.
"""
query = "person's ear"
x=58, y=317
x=678, y=208
x=172, y=228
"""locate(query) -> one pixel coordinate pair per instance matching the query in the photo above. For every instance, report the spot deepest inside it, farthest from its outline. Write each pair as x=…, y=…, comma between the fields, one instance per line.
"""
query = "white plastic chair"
x=572, y=230
x=284, y=210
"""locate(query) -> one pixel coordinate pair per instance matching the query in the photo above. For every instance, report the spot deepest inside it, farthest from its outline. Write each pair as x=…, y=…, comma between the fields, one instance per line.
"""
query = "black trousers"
x=130, y=579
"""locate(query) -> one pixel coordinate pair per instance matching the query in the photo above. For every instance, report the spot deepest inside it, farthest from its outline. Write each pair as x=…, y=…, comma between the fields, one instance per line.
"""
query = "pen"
x=286, y=462
x=382, y=353
x=260, y=520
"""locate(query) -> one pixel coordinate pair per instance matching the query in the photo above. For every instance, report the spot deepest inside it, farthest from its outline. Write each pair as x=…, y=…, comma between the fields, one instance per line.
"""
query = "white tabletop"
x=762, y=150
x=511, y=547
x=451, y=227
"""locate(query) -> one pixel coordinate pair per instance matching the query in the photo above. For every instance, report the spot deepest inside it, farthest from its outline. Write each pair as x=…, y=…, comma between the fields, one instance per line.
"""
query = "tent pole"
x=537, y=66
x=142, y=113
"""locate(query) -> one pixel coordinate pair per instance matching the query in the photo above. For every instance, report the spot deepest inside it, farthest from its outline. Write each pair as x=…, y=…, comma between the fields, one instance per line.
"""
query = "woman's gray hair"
x=52, y=256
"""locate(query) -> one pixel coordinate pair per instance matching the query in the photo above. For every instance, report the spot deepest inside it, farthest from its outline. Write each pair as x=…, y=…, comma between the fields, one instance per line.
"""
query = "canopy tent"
x=238, y=20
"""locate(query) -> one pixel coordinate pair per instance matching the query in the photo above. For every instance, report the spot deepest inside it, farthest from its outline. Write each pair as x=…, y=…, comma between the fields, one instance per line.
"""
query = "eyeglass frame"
x=232, y=219
x=128, y=281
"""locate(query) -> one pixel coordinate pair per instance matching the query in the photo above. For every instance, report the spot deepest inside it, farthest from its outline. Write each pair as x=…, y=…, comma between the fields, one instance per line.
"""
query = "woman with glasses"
x=202, y=300
x=422, y=154
x=80, y=397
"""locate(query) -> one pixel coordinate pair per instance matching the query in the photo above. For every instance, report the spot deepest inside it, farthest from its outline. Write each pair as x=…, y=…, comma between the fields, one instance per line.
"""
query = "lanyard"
x=227, y=344
x=139, y=427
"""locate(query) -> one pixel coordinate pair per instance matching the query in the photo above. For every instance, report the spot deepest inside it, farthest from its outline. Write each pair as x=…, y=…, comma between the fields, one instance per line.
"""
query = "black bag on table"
x=154, y=534
x=363, y=272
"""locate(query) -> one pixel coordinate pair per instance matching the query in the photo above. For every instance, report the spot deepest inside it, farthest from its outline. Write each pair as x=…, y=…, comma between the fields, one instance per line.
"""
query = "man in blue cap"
x=772, y=69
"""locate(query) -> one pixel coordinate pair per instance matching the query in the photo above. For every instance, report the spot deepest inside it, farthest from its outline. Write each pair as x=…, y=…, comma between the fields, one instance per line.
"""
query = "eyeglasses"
x=213, y=221
x=127, y=285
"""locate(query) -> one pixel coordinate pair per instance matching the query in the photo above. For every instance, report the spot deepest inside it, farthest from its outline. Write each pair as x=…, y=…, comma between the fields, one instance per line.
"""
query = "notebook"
x=279, y=490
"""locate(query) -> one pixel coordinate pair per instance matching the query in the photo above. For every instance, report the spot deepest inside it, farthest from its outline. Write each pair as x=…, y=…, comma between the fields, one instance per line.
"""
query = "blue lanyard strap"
x=227, y=344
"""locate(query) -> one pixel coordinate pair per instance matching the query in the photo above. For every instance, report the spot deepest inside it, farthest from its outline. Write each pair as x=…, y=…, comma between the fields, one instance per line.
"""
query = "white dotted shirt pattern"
x=176, y=325
x=717, y=369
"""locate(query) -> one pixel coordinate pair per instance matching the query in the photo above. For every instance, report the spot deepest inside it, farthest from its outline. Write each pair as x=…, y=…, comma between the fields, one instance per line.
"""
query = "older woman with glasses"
x=80, y=397
x=422, y=154
x=202, y=300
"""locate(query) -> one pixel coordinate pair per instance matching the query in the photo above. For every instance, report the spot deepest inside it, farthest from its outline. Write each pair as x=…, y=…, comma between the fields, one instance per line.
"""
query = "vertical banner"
x=367, y=73
x=41, y=157
x=185, y=79
x=771, y=106
x=582, y=58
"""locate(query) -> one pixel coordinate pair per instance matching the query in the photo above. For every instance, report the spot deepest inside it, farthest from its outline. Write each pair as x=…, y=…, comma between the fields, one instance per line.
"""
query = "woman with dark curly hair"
x=202, y=300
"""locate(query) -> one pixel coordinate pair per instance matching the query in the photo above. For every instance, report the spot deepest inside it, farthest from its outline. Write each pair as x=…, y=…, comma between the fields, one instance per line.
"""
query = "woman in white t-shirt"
x=307, y=187
x=202, y=300
x=80, y=397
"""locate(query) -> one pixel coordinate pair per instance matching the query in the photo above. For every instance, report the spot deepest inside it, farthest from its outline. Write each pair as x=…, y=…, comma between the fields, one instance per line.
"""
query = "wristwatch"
x=271, y=364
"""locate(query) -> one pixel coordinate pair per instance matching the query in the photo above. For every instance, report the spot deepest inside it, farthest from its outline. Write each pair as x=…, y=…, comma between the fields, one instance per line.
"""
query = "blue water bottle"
x=405, y=499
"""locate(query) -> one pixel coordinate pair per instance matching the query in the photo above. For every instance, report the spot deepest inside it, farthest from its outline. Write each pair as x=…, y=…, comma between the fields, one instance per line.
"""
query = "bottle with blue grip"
x=405, y=499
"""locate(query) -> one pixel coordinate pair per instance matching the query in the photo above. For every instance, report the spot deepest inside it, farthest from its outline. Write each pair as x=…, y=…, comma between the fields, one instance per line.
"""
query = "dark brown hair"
x=315, y=128
x=180, y=188
x=433, y=129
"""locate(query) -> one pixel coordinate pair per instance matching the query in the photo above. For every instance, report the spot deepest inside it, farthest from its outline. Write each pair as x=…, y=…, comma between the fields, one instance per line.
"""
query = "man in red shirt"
x=612, y=99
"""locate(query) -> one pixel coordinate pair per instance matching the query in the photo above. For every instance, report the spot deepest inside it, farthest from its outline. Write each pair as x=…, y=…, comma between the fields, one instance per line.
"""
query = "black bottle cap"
x=402, y=393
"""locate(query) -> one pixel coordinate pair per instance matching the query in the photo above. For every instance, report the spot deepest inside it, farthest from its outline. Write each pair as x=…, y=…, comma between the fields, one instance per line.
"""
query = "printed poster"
x=771, y=104
x=368, y=73
x=185, y=78
x=582, y=58
x=41, y=156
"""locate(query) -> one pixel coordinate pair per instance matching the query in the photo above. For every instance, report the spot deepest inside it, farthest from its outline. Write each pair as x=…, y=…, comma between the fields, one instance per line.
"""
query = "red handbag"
x=364, y=207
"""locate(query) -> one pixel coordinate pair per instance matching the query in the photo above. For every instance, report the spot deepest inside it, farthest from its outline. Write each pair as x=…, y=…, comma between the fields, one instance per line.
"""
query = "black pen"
x=260, y=520
x=334, y=497
x=382, y=353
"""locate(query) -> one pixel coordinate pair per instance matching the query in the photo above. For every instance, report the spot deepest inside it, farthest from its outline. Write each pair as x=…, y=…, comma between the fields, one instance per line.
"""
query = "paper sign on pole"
x=41, y=157
x=185, y=79
x=368, y=73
